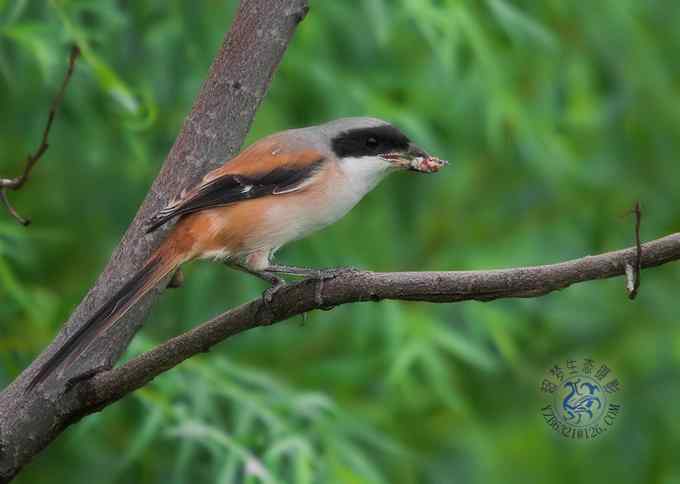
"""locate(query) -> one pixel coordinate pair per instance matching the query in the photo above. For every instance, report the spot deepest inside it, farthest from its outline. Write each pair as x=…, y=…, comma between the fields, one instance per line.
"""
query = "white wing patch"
x=293, y=188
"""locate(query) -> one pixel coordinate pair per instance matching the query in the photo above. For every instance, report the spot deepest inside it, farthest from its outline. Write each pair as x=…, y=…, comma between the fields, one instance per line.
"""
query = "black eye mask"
x=369, y=142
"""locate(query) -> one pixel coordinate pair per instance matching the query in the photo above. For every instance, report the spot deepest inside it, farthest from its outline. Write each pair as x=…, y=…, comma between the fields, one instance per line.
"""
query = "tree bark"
x=212, y=132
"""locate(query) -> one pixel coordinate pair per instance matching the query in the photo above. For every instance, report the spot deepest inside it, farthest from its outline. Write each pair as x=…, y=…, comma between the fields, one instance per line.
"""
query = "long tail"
x=164, y=261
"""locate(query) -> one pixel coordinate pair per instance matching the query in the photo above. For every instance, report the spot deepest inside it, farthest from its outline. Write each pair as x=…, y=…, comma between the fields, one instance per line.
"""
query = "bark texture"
x=212, y=132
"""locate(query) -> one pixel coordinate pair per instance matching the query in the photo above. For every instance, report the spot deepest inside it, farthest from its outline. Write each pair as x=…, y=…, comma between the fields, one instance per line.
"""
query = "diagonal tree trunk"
x=212, y=132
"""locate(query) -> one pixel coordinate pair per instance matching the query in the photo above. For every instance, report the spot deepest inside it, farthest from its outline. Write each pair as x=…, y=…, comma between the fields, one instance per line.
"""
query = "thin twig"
x=10, y=208
x=32, y=159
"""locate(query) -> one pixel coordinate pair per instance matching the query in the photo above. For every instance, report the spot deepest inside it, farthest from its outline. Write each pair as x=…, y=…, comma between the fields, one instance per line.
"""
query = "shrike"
x=280, y=189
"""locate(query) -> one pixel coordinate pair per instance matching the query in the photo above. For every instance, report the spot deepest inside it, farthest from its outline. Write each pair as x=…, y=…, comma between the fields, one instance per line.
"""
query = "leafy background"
x=557, y=116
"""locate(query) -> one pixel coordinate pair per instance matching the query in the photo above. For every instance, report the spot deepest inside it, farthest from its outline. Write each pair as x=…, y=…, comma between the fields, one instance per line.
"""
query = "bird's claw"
x=325, y=275
x=268, y=294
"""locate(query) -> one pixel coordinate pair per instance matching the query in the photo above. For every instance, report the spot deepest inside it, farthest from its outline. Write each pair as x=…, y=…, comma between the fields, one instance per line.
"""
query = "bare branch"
x=31, y=160
x=12, y=211
x=358, y=286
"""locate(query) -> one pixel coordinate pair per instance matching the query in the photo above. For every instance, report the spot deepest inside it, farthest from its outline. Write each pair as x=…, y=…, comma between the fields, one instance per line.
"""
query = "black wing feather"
x=235, y=188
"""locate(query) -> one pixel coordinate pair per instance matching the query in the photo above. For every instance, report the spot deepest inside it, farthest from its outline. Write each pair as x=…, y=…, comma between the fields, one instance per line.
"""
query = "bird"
x=280, y=189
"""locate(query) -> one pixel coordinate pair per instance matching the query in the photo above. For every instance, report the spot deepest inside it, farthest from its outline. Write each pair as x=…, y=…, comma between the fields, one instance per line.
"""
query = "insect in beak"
x=416, y=159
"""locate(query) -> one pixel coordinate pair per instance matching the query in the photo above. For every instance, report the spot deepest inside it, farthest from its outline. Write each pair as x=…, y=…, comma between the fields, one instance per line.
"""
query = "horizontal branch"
x=357, y=286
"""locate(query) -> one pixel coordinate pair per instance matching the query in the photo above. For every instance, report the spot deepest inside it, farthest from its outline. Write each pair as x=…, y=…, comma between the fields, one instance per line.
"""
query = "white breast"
x=296, y=216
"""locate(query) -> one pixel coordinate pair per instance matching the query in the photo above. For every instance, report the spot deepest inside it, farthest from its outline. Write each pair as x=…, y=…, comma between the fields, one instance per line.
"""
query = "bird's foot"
x=316, y=275
x=268, y=294
x=323, y=275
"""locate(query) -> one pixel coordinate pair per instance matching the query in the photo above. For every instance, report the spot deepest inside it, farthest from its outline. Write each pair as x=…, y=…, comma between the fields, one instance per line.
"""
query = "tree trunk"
x=212, y=132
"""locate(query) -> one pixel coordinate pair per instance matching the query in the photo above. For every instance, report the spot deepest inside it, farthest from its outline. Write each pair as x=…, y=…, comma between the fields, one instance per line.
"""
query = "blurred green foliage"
x=557, y=116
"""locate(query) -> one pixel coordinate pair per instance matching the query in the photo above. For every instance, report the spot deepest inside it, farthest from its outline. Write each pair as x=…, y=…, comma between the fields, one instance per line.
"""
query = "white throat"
x=363, y=174
x=360, y=176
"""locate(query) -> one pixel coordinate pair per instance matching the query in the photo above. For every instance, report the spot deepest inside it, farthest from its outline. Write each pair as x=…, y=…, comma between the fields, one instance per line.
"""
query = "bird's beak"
x=416, y=159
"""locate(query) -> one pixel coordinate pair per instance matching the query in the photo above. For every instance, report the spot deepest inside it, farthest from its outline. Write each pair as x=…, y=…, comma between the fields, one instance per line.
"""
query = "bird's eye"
x=372, y=142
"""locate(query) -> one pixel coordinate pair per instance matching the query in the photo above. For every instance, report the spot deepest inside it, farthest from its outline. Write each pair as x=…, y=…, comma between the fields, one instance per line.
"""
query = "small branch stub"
x=631, y=280
x=633, y=267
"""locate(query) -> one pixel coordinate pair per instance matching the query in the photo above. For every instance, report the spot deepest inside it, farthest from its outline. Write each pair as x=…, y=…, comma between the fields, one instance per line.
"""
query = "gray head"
x=337, y=126
x=372, y=138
